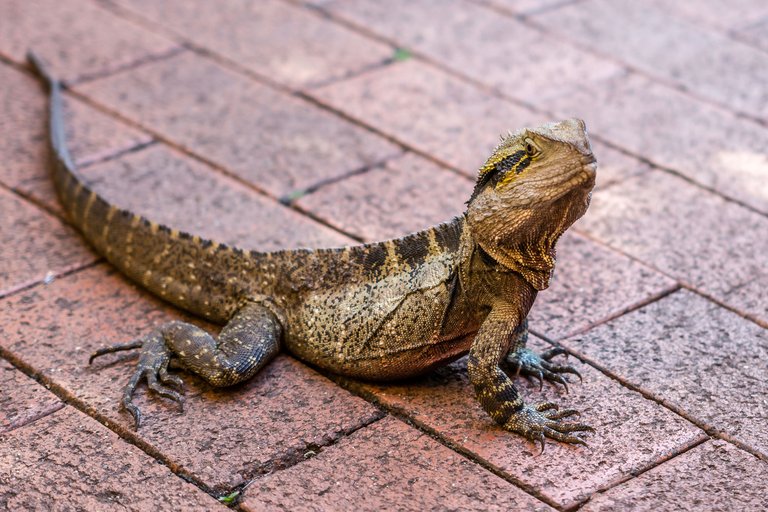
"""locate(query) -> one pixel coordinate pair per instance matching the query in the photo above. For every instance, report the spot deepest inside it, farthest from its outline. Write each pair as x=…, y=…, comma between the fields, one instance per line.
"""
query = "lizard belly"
x=375, y=331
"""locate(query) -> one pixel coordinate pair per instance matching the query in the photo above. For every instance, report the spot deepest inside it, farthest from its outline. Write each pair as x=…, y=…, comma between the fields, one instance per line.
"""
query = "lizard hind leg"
x=244, y=346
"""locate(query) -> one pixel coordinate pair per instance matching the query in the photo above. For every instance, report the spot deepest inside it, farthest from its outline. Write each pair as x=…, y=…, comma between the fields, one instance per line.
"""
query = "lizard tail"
x=193, y=273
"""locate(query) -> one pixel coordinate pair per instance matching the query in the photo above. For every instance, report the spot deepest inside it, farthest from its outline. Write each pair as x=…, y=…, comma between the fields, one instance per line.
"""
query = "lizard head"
x=537, y=182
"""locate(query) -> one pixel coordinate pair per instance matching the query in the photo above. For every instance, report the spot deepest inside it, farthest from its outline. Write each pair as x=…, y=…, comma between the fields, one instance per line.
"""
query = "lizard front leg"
x=246, y=343
x=498, y=395
x=522, y=360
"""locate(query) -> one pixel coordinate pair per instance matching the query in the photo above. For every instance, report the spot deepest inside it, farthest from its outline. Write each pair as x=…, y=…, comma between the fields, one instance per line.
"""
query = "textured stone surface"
x=715, y=476
x=523, y=7
x=704, y=61
x=276, y=40
x=499, y=51
x=731, y=15
x=614, y=166
x=224, y=436
x=707, y=144
x=277, y=142
x=678, y=228
x=68, y=461
x=693, y=355
x=632, y=433
x=77, y=37
x=34, y=245
x=22, y=400
x=429, y=110
x=176, y=190
x=384, y=464
x=23, y=145
x=405, y=195
x=751, y=299
x=756, y=34
x=591, y=284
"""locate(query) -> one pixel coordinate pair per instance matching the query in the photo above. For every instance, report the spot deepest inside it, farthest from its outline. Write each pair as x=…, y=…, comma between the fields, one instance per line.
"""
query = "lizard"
x=376, y=311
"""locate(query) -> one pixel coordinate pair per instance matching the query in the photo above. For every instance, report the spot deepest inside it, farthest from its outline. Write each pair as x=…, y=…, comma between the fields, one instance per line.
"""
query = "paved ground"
x=285, y=124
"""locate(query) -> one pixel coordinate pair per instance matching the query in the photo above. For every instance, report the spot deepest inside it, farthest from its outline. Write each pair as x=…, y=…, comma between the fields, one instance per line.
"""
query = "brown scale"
x=377, y=311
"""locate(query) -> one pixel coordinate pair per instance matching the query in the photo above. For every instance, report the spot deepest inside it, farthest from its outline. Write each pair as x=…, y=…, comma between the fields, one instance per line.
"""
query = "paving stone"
x=614, y=166
x=449, y=111
x=405, y=195
x=499, y=51
x=707, y=144
x=632, y=432
x=694, y=355
x=183, y=193
x=715, y=476
x=591, y=284
x=77, y=38
x=731, y=15
x=384, y=464
x=224, y=437
x=704, y=61
x=68, y=461
x=271, y=38
x=34, y=245
x=682, y=230
x=523, y=7
x=756, y=34
x=751, y=299
x=278, y=142
x=22, y=400
x=23, y=145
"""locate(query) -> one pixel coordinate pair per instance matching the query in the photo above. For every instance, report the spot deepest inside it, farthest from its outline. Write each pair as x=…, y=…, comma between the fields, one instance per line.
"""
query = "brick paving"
x=290, y=123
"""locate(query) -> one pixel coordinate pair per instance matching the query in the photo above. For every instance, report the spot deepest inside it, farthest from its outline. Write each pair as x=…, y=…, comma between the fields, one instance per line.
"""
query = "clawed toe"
x=532, y=366
x=153, y=368
x=539, y=421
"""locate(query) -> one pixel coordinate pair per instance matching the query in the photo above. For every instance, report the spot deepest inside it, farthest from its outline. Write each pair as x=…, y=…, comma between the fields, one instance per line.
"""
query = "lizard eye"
x=530, y=148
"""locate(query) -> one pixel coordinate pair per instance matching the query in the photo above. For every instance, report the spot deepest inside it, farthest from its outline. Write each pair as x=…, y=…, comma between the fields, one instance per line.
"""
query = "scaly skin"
x=377, y=311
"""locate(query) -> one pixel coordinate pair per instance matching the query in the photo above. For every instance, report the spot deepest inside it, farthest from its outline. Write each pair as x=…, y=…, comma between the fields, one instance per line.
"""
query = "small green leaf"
x=402, y=54
x=229, y=498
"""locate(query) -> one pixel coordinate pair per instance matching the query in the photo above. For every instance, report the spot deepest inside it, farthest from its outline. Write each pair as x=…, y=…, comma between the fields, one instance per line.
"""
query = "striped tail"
x=186, y=270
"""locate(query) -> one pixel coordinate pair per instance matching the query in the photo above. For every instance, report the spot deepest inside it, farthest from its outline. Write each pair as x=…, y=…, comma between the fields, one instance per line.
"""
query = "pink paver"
x=171, y=188
x=704, y=61
x=405, y=195
x=278, y=41
x=475, y=41
x=23, y=146
x=384, y=465
x=715, y=476
x=591, y=284
x=449, y=111
x=525, y=7
x=632, y=433
x=751, y=299
x=35, y=245
x=22, y=400
x=731, y=16
x=688, y=233
x=225, y=436
x=278, y=142
x=704, y=143
x=613, y=165
x=756, y=35
x=694, y=356
x=77, y=37
x=68, y=461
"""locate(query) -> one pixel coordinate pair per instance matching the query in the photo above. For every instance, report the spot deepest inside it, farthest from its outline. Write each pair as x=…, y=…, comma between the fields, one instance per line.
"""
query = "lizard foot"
x=539, y=421
x=528, y=363
x=152, y=366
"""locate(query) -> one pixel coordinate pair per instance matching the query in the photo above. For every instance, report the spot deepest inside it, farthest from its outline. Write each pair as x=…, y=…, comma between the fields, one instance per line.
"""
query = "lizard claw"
x=152, y=367
x=540, y=421
x=529, y=364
